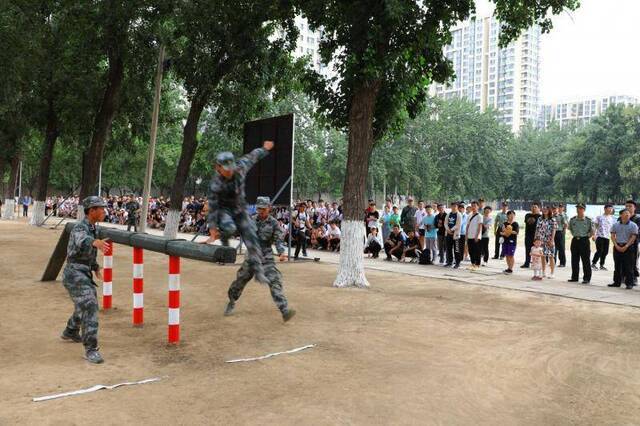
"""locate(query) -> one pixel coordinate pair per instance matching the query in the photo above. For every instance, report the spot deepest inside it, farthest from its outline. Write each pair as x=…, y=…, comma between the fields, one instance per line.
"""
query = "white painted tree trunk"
x=351, y=266
x=37, y=215
x=172, y=221
x=9, y=209
x=80, y=213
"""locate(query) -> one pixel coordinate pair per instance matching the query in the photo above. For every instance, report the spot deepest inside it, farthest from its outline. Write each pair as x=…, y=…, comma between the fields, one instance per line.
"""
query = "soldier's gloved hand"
x=101, y=245
x=98, y=273
x=283, y=257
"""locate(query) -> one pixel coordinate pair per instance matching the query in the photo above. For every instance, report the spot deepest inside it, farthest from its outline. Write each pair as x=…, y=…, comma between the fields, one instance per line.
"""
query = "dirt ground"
x=408, y=351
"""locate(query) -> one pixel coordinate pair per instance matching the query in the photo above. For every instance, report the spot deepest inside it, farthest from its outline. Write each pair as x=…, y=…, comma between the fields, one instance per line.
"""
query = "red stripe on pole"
x=174, y=299
x=138, y=316
x=137, y=255
x=138, y=285
x=106, y=302
x=174, y=333
x=107, y=275
x=174, y=265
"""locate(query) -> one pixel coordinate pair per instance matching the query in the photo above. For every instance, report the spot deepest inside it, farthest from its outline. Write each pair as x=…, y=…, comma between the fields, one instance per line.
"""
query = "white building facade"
x=580, y=112
x=505, y=79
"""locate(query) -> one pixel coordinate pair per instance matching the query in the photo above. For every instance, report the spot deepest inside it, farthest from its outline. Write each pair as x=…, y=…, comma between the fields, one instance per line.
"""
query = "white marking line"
x=93, y=389
x=302, y=348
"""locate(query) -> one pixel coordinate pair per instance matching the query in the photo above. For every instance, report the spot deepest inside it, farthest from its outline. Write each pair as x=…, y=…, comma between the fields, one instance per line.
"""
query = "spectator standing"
x=462, y=246
x=302, y=223
x=420, y=214
x=581, y=228
x=474, y=236
x=431, y=235
x=563, y=223
x=624, y=235
x=631, y=206
x=500, y=219
x=453, y=224
x=487, y=228
x=537, y=254
x=373, y=244
x=530, y=225
x=395, y=218
x=26, y=202
x=385, y=220
x=441, y=233
x=546, y=233
x=509, y=236
x=603, y=224
x=408, y=217
x=372, y=216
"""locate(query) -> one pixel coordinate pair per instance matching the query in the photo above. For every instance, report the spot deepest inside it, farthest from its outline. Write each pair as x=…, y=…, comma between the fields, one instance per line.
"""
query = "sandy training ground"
x=408, y=351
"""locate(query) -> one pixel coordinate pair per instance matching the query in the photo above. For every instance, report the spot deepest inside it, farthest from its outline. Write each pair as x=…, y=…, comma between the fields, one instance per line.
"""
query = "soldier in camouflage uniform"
x=77, y=278
x=133, y=209
x=269, y=233
x=227, y=205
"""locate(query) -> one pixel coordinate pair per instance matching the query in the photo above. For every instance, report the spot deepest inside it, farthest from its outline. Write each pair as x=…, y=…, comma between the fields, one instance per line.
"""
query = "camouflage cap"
x=93, y=201
x=580, y=206
x=226, y=160
x=263, y=202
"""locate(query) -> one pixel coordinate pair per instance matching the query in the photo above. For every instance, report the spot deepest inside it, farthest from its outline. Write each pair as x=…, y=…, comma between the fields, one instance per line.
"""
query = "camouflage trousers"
x=245, y=275
x=232, y=221
x=82, y=290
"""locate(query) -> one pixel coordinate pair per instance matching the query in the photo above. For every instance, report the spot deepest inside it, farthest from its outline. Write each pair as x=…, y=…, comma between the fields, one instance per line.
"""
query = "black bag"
x=425, y=257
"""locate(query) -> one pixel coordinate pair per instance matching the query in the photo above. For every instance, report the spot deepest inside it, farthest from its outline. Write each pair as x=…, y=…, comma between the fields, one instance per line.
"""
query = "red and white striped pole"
x=138, y=283
x=174, y=299
x=107, y=276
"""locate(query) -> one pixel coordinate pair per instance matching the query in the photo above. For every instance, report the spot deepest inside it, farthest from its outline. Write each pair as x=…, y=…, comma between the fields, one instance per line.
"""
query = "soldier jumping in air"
x=77, y=278
x=269, y=233
x=227, y=205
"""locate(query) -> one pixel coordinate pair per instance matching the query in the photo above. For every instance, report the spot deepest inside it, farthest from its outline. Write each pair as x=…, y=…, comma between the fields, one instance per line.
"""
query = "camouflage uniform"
x=227, y=210
x=77, y=279
x=132, y=220
x=268, y=233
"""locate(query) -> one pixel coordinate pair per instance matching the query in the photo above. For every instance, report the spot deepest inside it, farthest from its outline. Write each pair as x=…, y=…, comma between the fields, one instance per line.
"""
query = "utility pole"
x=146, y=190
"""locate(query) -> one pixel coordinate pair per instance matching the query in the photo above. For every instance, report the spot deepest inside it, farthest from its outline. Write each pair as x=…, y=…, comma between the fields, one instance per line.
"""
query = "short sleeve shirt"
x=624, y=231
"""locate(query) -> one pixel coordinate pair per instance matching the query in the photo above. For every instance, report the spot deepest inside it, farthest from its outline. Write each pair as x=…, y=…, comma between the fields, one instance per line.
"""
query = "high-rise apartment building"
x=505, y=79
x=307, y=45
x=580, y=112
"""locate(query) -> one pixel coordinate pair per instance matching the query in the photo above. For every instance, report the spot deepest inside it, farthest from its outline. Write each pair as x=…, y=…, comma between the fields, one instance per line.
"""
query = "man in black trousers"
x=530, y=224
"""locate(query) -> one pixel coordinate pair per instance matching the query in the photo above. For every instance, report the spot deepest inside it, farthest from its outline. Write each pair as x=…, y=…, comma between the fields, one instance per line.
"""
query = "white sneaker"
x=550, y=277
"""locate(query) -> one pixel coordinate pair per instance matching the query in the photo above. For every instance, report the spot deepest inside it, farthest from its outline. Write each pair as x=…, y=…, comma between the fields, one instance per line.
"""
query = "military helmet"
x=226, y=160
x=263, y=202
x=93, y=201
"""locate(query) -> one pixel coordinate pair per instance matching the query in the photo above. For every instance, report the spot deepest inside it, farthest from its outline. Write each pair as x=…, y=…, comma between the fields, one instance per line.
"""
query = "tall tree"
x=229, y=54
x=386, y=54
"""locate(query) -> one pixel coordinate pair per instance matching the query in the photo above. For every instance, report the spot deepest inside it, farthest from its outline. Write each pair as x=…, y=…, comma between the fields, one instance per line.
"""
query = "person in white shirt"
x=373, y=244
x=420, y=214
x=474, y=236
x=603, y=225
x=334, y=237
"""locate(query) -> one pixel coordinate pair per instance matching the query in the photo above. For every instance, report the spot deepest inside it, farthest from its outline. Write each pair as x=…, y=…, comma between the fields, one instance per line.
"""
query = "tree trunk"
x=10, y=191
x=189, y=146
x=102, y=125
x=42, y=182
x=351, y=267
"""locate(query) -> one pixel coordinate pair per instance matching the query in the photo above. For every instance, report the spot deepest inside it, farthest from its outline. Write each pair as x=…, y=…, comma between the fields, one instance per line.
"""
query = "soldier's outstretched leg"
x=83, y=294
x=249, y=235
x=243, y=276
x=277, y=293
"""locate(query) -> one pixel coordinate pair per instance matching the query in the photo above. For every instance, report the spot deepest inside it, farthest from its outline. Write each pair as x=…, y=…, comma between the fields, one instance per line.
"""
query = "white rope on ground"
x=302, y=348
x=93, y=389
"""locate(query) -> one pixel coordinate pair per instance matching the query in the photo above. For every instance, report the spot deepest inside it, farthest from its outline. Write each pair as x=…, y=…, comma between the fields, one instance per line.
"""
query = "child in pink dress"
x=536, y=259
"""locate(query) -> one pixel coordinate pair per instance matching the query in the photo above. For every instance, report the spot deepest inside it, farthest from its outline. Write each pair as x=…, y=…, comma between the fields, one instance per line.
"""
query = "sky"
x=594, y=51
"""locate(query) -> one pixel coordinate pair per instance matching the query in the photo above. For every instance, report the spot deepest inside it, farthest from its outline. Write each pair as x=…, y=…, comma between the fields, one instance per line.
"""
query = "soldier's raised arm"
x=247, y=161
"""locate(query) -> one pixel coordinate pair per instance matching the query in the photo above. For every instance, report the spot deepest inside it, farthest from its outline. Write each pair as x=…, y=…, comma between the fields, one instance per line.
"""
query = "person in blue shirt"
x=431, y=234
x=463, y=233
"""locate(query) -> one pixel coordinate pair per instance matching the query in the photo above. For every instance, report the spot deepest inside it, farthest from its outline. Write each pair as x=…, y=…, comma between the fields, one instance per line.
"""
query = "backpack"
x=425, y=257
